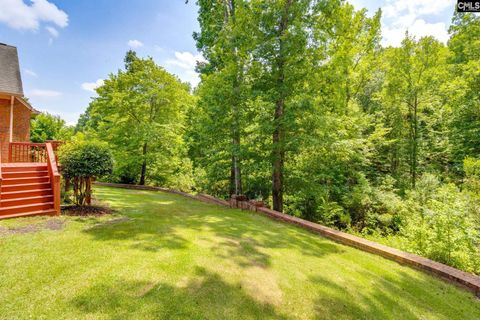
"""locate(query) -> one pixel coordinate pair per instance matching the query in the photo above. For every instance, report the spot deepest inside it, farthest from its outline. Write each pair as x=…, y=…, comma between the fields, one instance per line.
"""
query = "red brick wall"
x=21, y=125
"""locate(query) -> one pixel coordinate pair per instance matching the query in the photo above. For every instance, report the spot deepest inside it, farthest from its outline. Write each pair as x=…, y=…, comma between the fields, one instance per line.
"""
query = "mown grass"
x=162, y=256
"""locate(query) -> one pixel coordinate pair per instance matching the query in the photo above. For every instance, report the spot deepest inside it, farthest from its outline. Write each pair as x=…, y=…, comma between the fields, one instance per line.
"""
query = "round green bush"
x=81, y=162
x=85, y=159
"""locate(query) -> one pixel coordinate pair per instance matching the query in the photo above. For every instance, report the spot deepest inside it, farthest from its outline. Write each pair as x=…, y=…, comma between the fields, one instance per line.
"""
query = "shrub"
x=375, y=208
x=82, y=161
x=440, y=225
x=471, y=186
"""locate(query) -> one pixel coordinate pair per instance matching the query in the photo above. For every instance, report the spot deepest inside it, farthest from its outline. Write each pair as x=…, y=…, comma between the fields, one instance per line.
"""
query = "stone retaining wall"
x=465, y=279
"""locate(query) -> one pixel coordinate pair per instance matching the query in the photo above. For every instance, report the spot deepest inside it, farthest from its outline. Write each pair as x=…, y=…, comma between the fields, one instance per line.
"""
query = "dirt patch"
x=262, y=285
x=50, y=224
x=144, y=290
x=183, y=282
x=54, y=224
x=86, y=210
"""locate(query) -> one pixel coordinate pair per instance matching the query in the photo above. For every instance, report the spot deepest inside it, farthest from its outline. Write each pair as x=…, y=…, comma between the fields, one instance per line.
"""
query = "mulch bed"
x=86, y=210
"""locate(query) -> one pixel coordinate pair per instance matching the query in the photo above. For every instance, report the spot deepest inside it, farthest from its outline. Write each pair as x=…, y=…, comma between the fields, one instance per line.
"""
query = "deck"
x=30, y=184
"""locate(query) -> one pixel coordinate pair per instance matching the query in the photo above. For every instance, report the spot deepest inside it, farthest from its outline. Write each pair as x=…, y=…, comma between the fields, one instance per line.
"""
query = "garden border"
x=465, y=279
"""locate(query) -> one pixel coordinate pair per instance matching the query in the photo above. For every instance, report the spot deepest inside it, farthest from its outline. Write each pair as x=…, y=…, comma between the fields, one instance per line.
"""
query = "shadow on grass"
x=166, y=221
x=388, y=297
x=156, y=220
x=206, y=296
x=334, y=299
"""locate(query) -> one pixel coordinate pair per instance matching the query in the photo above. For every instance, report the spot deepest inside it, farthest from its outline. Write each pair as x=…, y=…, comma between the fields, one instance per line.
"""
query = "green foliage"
x=464, y=83
x=471, y=186
x=85, y=158
x=309, y=113
x=471, y=166
x=45, y=126
x=82, y=161
x=225, y=40
x=140, y=112
x=331, y=127
x=440, y=225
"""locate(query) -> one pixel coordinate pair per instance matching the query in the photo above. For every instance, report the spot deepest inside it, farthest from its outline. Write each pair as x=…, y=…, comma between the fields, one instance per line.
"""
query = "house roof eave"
x=21, y=99
x=28, y=105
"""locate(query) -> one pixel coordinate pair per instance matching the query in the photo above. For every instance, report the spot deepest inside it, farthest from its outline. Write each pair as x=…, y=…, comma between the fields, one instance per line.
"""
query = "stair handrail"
x=54, y=177
x=1, y=178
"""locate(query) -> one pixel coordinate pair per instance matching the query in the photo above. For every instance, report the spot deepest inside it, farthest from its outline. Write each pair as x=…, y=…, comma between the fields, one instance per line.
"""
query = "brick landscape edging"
x=465, y=279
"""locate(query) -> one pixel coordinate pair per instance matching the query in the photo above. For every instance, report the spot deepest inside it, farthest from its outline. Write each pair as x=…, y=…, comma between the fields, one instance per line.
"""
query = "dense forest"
x=299, y=105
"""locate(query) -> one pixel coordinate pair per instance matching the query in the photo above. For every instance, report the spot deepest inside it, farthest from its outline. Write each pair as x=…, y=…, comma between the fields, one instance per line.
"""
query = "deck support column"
x=12, y=100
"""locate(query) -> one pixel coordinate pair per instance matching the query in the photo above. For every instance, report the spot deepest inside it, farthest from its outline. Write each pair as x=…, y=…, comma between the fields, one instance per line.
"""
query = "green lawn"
x=162, y=256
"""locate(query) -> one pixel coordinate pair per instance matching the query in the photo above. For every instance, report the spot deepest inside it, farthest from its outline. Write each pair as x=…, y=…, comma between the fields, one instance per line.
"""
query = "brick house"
x=29, y=175
x=15, y=111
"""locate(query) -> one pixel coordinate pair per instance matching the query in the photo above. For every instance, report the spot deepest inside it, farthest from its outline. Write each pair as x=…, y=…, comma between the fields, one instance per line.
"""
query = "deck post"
x=12, y=100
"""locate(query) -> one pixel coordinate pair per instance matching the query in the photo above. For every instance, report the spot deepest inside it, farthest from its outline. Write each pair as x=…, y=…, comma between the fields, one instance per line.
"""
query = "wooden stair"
x=25, y=190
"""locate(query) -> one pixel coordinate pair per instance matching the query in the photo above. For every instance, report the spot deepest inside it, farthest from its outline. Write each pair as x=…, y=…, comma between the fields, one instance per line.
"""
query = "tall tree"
x=412, y=84
x=140, y=112
x=284, y=57
x=338, y=137
x=277, y=52
x=465, y=85
x=223, y=40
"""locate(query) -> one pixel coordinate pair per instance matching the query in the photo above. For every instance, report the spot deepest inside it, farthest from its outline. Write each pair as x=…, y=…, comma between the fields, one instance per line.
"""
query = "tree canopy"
x=300, y=106
x=328, y=125
x=45, y=126
x=140, y=112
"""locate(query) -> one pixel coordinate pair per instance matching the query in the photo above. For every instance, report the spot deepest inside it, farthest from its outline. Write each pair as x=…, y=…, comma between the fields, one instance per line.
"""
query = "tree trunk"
x=236, y=177
x=232, y=177
x=76, y=196
x=237, y=174
x=414, y=142
x=278, y=137
x=278, y=158
x=88, y=191
x=144, y=165
x=236, y=139
x=67, y=184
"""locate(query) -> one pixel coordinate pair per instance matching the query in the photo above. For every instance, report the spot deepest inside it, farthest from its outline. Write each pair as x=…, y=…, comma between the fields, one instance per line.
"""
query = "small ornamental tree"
x=83, y=161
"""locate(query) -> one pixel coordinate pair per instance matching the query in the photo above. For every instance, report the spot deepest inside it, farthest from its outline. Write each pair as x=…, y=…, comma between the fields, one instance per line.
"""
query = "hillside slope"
x=162, y=256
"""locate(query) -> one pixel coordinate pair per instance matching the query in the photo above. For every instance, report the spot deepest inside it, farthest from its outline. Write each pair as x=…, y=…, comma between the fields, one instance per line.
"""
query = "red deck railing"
x=1, y=178
x=27, y=152
x=31, y=152
x=54, y=176
x=39, y=152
